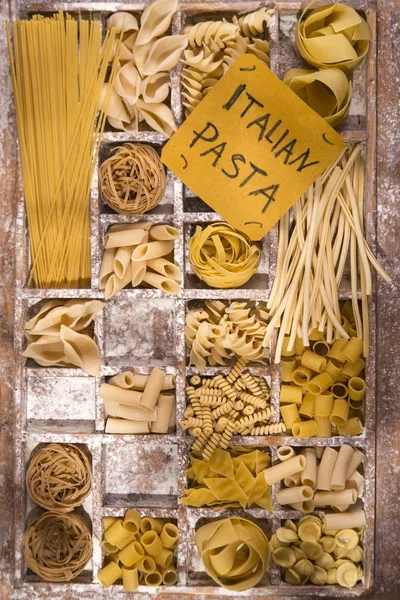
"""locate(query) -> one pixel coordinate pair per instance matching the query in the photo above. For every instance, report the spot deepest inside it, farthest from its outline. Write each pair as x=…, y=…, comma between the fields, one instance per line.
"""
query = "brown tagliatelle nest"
x=59, y=477
x=57, y=547
x=132, y=179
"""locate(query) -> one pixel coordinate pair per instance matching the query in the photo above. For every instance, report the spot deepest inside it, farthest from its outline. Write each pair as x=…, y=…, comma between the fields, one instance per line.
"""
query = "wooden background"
x=387, y=297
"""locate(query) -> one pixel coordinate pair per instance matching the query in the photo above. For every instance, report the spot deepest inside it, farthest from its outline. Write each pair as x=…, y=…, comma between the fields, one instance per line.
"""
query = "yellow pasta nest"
x=248, y=540
x=222, y=256
x=328, y=92
x=333, y=36
x=132, y=179
x=57, y=547
x=59, y=477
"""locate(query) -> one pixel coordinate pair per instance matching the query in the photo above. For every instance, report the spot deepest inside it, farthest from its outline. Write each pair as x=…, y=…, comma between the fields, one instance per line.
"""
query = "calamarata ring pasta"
x=222, y=256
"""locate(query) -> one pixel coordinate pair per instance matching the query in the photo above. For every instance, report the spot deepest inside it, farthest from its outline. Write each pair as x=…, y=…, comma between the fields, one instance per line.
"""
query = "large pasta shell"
x=165, y=53
x=126, y=49
x=155, y=20
x=140, y=54
x=80, y=350
x=155, y=88
x=122, y=21
x=127, y=82
x=158, y=116
x=116, y=108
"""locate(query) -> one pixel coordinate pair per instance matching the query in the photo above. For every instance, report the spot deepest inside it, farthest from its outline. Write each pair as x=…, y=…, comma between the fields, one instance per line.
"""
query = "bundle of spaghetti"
x=57, y=547
x=59, y=477
x=139, y=254
x=213, y=48
x=58, y=69
x=219, y=331
x=327, y=228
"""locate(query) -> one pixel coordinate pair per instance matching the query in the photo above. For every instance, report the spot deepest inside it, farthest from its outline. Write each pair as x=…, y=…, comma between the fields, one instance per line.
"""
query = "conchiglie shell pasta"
x=122, y=21
x=155, y=20
x=164, y=54
x=158, y=116
x=155, y=88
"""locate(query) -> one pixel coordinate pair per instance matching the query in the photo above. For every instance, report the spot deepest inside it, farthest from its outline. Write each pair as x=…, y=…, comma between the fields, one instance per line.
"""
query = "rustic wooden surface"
x=387, y=574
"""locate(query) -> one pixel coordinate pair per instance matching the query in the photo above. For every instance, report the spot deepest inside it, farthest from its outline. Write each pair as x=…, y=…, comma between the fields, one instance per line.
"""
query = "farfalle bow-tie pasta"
x=234, y=552
x=333, y=36
x=56, y=335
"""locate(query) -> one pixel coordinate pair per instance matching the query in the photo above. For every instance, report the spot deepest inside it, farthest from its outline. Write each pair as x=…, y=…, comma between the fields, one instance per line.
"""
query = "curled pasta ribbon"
x=234, y=552
x=57, y=547
x=59, y=477
x=333, y=36
x=222, y=256
x=328, y=92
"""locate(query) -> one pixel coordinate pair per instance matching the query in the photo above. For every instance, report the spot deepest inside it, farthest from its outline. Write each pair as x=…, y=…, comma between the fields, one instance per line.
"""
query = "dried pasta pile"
x=232, y=478
x=139, y=253
x=323, y=390
x=142, y=83
x=59, y=477
x=222, y=256
x=309, y=552
x=221, y=407
x=235, y=552
x=58, y=546
x=132, y=179
x=213, y=48
x=58, y=335
x=136, y=403
x=58, y=69
x=312, y=254
x=318, y=477
x=140, y=550
x=218, y=332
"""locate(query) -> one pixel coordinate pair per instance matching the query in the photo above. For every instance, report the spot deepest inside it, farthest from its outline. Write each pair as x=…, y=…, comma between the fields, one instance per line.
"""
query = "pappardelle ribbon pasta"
x=235, y=552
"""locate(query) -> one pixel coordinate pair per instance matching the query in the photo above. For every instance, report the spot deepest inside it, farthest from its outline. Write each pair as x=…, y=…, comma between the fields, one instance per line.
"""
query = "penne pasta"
x=166, y=268
x=164, y=233
x=152, y=250
x=124, y=237
x=165, y=284
x=107, y=267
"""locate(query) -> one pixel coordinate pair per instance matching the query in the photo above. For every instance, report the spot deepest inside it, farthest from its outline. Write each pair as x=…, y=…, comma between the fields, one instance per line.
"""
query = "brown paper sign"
x=251, y=147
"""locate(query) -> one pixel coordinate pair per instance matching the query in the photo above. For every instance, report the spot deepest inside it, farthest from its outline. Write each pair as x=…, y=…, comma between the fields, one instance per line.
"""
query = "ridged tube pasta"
x=166, y=268
x=294, y=495
x=309, y=473
x=285, y=452
x=305, y=429
x=147, y=564
x=166, y=407
x=165, y=284
x=323, y=404
x=153, y=579
x=335, y=351
x=131, y=554
x=302, y=375
x=352, y=427
x=334, y=368
x=353, y=349
x=121, y=238
x=307, y=406
x=290, y=415
x=122, y=260
x=109, y=574
x=164, y=233
x=320, y=383
x=130, y=579
x=324, y=426
x=132, y=520
x=117, y=535
x=152, y=250
x=152, y=388
x=115, y=425
x=169, y=535
x=107, y=267
x=356, y=480
x=164, y=558
x=356, y=388
x=333, y=498
x=289, y=467
x=288, y=365
x=339, y=390
x=123, y=396
x=353, y=369
x=169, y=576
x=306, y=506
x=355, y=461
x=313, y=361
x=327, y=465
x=293, y=480
x=350, y=520
x=339, y=474
x=123, y=380
x=340, y=412
x=151, y=543
x=290, y=394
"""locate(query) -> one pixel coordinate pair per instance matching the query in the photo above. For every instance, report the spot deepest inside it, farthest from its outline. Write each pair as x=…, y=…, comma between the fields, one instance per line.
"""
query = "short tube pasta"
x=302, y=375
x=288, y=365
x=132, y=520
x=152, y=388
x=313, y=361
x=290, y=394
x=285, y=452
x=338, y=521
x=164, y=233
x=114, y=425
x=336, y=350
x=320, y=383
x=339, y=474
x=353, y=349
x=290, y=415
x=294, y=495
x=306, y=506
x=292, y=480
x=339, y=390
x=324, y=426
x=309, y=473
x=284, y=469
x=321, y=348
x=130, y=579
x=151, y=543
x=114, y=393
x=340, y=412
x=323, y=404
x=333, y=498
x=107, y=267
x=150, y=524
x=327, y=466
x=352, y=427
x=123, y=380
x=356, y=388
x=109, y=574
x=126, y=237
x=166, y=268
x=356, y=480
x=131, y=554
x=169, y=576
x=152, y=250
x=353, y=369
x=169, y=535
x=165, y=284
x=333, y=368
x=153, y=579
x=305, y=429
x=307, y=406
x=166, y=404
x=354, y=462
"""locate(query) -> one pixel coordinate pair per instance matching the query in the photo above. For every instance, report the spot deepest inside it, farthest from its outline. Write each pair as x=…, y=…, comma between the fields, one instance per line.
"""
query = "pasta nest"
x=239, y=564
x=59, y=477
x=132, y=179
x=333, y=36
x=328, y=92
x=57, y=547
x=222, y=256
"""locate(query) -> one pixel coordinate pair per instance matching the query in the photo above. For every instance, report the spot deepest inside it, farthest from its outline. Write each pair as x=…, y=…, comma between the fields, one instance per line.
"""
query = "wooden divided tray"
x=141, y=328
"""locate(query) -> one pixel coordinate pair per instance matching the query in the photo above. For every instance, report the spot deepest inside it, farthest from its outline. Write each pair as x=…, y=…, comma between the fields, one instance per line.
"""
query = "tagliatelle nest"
x=222, y=256
x=59, y=477
x=132, y=179
x=58, y=547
